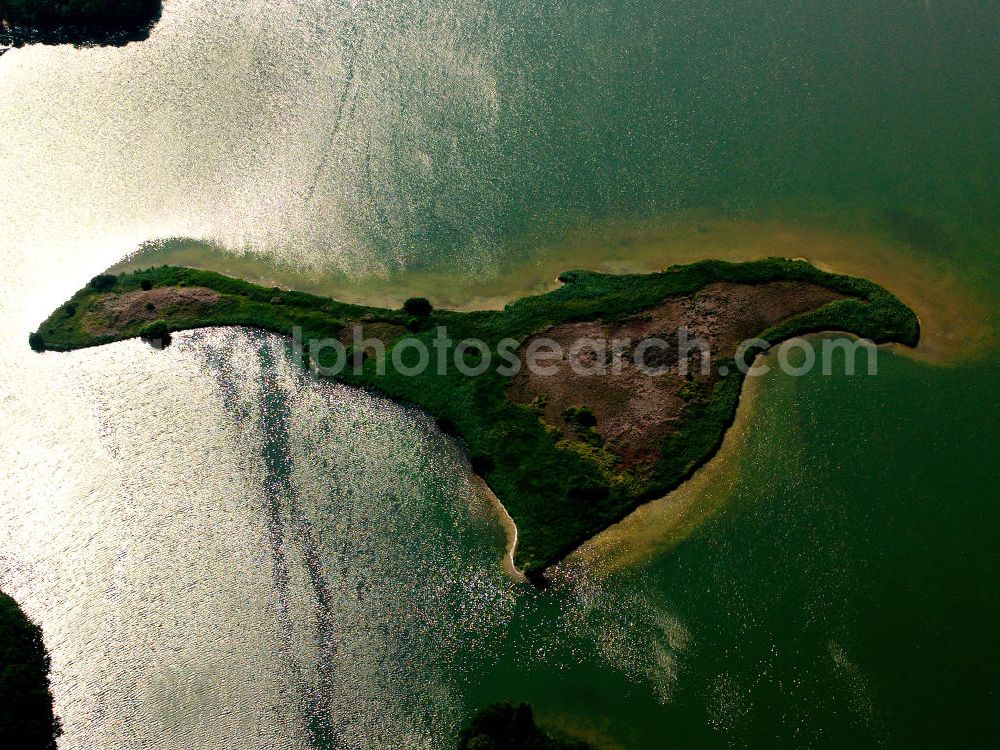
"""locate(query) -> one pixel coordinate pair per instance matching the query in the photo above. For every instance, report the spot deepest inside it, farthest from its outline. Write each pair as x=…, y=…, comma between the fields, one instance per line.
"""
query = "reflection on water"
x=134, y=538
x=368, y=137
x=308, y=129
x=232, y=554
x=648, y=650
x=239, y=542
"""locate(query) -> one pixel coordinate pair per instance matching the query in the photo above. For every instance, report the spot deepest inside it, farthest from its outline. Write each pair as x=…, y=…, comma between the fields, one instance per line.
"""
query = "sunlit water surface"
x=226, y=553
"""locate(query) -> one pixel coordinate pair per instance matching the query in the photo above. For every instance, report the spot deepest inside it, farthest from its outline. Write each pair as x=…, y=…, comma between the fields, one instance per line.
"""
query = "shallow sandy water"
x=955, y=319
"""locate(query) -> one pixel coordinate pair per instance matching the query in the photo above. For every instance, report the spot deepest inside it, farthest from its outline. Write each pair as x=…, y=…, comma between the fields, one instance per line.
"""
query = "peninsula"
x=570, y=443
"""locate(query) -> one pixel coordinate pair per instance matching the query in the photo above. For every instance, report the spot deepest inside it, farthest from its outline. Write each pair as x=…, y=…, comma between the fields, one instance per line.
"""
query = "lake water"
x=225, y=553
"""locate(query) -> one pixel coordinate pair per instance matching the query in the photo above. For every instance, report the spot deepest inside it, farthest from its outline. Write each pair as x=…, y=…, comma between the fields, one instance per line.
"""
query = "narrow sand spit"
x=660, y=525
x=509, y=527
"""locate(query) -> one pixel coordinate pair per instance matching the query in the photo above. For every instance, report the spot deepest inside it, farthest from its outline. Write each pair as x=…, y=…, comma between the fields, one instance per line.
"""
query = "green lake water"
x=224, y=553
x=846, y=594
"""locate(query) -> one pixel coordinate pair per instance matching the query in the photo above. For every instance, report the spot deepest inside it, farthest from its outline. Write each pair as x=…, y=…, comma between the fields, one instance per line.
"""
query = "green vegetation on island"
x=564, y=457
x=83, y=22
x=26, y=718
x=508, y=726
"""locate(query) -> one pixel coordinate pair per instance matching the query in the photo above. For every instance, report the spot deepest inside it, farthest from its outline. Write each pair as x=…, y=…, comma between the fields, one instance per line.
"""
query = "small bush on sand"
x=158, y=329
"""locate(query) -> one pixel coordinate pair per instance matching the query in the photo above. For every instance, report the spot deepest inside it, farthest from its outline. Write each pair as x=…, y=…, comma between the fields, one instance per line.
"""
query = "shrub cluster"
x=157, y=330
x=26, y=717
x=78, y=21
x=418, y=307
x=103, y=282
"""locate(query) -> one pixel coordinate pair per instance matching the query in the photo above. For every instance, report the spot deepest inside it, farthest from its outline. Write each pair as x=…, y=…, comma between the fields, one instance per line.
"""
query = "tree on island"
x=27, y=721
x=156, y=333
x=103, y=282
x=418, y=307
x=509, y=726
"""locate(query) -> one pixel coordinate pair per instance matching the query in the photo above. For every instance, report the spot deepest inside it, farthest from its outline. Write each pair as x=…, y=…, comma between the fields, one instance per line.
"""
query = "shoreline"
x=566, y=485
x=954, y=326
x=663, y=523
x=509, y=528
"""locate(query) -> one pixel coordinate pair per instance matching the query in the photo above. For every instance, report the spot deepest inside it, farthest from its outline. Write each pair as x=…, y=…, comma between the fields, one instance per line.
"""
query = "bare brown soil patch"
x=635, y=409
x=116, y=312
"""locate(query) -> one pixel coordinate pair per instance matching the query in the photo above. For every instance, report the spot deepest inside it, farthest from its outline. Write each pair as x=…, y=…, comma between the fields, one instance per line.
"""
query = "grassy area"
x=560, y=489
x=77, y=21
x=26, y=718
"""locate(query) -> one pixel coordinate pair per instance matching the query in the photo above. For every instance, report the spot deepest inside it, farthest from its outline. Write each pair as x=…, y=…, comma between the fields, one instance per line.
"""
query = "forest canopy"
x=77, y=21
x=26, y=717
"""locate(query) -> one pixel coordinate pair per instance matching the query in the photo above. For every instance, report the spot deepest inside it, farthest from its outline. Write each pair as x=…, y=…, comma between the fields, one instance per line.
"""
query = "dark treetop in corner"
x=26, y=718
x=506, y=726
x=85, y=22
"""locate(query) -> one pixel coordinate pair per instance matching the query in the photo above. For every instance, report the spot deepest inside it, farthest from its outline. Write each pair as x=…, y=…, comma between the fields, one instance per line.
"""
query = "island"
x=26, y=717
x=569, y=444
x=80, y=22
